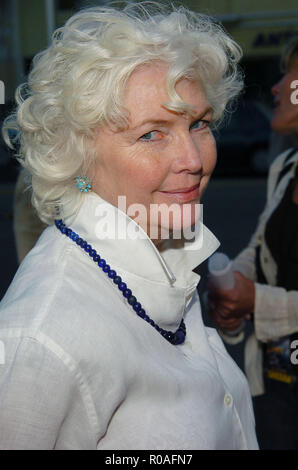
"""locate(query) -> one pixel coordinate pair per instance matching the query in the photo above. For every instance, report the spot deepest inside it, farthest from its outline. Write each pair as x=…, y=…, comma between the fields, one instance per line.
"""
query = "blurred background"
x=246, y=146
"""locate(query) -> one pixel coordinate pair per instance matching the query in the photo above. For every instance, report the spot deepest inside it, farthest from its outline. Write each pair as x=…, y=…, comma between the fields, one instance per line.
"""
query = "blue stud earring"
x=83, y=184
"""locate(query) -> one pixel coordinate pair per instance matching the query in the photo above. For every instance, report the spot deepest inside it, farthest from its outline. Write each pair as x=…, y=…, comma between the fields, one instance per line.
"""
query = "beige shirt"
x=83, y=371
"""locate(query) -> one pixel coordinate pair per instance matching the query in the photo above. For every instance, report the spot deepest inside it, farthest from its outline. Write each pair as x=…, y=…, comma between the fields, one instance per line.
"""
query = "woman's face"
x=163, y=157
x=285, y=117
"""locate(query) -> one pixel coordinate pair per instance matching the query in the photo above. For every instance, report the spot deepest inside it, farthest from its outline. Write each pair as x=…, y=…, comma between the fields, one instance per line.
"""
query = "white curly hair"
x=77, y=84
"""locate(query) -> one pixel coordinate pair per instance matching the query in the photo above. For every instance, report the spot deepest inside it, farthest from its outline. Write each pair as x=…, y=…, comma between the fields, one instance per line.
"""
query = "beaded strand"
x=174, y=338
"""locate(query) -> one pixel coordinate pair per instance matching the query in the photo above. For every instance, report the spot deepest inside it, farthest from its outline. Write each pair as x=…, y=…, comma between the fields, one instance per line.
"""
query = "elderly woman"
x=104, y=342
x=267, y=283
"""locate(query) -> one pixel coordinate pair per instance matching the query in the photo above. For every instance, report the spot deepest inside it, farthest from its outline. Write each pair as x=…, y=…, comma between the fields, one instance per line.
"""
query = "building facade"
x=262, y=28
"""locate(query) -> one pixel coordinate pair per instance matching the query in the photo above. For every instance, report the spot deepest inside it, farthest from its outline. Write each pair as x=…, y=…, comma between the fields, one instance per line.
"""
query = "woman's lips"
x=183, y=194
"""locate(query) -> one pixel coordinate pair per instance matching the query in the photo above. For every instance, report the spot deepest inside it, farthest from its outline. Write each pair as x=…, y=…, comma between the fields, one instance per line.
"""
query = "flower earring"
x=83, y=184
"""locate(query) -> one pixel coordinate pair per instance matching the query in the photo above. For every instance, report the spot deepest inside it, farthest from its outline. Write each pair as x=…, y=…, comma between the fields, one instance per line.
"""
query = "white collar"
x=168, y=272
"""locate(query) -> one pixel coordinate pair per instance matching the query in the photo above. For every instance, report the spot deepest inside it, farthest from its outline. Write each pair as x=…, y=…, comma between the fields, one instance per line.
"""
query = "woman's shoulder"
x=39, y=273
x=55, y=288
x=65, y=311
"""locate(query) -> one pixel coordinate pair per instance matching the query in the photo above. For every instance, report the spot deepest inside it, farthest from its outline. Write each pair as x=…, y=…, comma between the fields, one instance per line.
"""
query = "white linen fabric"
x=276, y=310
x=83, y=371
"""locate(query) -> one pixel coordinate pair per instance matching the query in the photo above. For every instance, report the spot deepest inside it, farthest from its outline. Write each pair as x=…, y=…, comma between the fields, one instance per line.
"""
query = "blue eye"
x=200, y=124
x=147, y=136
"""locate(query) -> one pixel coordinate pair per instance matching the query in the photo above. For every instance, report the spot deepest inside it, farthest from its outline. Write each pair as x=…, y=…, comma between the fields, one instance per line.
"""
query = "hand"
x=229, y=307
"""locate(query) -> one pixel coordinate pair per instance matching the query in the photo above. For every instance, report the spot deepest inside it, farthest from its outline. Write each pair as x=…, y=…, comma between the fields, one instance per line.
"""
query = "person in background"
x=104, y=340
x=266, y=274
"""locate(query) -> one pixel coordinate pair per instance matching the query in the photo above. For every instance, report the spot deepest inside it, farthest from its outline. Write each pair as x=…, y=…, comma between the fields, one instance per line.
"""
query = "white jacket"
x=276, y=310
x=83, y=371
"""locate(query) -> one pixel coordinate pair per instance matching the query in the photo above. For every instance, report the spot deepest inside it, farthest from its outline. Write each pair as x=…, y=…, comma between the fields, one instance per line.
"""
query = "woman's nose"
x=188, y=156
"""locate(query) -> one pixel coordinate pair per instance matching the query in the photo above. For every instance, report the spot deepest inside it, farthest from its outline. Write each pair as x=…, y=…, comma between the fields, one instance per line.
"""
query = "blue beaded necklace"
x=174, y=338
